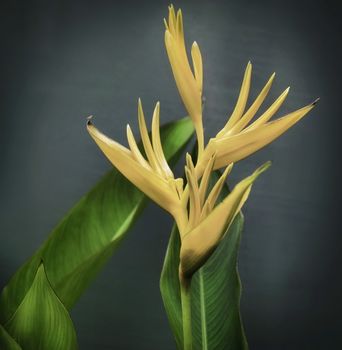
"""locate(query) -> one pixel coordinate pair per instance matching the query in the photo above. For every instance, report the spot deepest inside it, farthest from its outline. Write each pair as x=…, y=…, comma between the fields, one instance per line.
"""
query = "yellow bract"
x=237, y=139
x=200, y=241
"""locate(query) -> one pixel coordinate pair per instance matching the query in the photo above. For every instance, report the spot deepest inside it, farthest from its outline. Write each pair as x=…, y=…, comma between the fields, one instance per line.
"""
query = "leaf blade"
x=41, y=320
x=170, y=287
x=6, y=341
x=215, y=292
x=87, y=236
x=220, y=291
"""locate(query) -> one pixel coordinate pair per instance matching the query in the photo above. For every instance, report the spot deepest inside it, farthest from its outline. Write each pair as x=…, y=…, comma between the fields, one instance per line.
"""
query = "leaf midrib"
x=203, y=312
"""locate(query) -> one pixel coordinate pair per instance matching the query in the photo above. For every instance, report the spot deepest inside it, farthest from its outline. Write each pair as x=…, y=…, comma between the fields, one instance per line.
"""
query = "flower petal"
x=147, y=181
x=234, y=148
x=194, y=200
x=146, y=140
x=205, y=178
x=248, y=116
x=241, y=102
x=172, y=20
x=185, y=81
x=157, y=146
x=198, y=65
x=216, y=190
x=265, y=117
x=135, y=149
x=180, y=37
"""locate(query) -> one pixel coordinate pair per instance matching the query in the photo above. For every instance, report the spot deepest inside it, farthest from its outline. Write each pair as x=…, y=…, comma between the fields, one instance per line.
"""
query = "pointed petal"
x=146, y=140
x=194, y=201
x=172, y=20
x=166, y=25
x=216, y=190
x=198, y=65
x=270, y=111
x=180, y=37
x=189, y=84
x=205, y=210
x=135, y=149
x=147, y=181
x=198, y=244
x=248, y=116
x=205, y=178
x=189, y=162
x=236, y=147
x=157, y=146
x=185, y=81
x=241, y=102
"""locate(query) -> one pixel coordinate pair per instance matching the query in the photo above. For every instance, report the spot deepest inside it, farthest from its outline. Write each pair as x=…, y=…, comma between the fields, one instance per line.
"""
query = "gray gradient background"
x=64, y=60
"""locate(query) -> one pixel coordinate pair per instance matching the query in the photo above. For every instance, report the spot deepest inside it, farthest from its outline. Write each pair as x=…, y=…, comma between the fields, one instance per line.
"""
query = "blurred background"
x=64, y=60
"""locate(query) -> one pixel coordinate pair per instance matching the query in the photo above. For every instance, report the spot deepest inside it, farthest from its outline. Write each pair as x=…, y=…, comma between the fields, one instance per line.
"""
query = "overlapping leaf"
x=6, y=341
x=41, y=321
x=83, y=241
x=215, y=294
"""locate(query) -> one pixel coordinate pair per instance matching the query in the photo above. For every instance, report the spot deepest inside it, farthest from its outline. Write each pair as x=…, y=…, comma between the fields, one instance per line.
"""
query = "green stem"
x=186, y=311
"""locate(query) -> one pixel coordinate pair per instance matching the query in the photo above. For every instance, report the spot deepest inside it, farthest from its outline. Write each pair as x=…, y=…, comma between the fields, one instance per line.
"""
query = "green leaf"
x=83, y=241
x=216, y=297
x=170, y=287
x=215, y=294
x=6, y=341
x=41, y=321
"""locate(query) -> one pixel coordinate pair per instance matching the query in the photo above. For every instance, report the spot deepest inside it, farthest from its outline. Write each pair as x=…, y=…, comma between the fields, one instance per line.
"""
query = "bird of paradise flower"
x=200, y=220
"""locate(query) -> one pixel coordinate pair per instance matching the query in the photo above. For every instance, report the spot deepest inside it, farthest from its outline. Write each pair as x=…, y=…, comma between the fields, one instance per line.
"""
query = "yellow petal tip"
x=262, y=169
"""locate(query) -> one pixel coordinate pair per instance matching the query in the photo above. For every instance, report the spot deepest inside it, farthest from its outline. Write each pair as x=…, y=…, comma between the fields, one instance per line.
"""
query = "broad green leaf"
x=82, y=242
x=41, y=321
x=215, y=294
x=170, y=287
x=216, y=297
x=6, y=341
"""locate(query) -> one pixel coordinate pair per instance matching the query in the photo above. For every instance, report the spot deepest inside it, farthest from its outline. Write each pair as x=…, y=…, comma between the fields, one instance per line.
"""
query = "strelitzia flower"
x=207, y=223
x=189, y=83
x=201, y=221
x=153, y=175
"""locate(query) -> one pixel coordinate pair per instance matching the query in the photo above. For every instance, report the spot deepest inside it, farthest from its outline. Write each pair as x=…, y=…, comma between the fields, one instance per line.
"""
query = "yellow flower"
x=152, y=175
x=237, y=139
x=189, y=84
x=201, y=224
x=206, y=223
